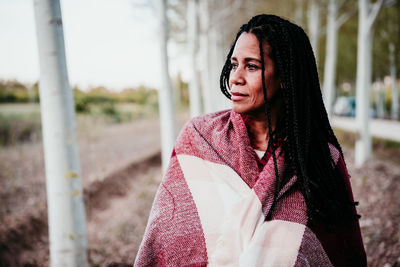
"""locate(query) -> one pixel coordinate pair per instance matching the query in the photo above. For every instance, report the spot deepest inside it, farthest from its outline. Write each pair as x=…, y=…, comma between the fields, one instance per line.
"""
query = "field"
x=120, y=162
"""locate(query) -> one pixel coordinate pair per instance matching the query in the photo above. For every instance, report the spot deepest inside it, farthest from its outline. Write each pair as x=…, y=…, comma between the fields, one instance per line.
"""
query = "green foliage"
x=347, y=51
x=101, y=95
x=386, y=31
x=181, y=93
x=20, y=121
x=110, y=111
x=82, y=105
x=17, y=128
x=141, y=96
x=12, y=91
x=125, y=105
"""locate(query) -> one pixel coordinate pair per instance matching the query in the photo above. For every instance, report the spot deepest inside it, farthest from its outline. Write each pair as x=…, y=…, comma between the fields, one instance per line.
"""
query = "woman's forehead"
x=248, y=44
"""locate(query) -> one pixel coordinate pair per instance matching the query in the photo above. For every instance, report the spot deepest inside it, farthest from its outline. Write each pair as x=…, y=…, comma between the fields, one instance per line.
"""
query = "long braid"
x=305, y=129
x=271, y=137
x=302, y=138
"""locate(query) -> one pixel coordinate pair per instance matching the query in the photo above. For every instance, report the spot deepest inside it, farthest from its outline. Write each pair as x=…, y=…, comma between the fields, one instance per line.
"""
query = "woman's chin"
x=239, y=109
x=246, y=110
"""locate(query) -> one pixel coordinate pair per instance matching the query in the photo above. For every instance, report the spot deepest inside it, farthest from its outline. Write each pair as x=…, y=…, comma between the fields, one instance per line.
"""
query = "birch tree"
x=395, y=89
x=334, y=22
x=193, y=45
x=298, y=12
x=367, y=14
x=165, y=99
x=205, y=52
x=212, y=54
x=386, y=61
x=216, y=26
x=379, y=98
x=66, y=212
x=314, y=25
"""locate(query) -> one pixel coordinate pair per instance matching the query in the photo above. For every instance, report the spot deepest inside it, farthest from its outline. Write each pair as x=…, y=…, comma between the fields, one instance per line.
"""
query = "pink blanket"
x=210, y=208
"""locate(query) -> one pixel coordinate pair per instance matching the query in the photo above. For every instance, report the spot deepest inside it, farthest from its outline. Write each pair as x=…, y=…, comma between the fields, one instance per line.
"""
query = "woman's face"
x=245, y=80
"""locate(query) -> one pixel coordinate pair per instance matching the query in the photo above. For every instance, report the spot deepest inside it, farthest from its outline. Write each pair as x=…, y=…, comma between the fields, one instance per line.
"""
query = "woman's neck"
x=257, y=126
x=258, y=132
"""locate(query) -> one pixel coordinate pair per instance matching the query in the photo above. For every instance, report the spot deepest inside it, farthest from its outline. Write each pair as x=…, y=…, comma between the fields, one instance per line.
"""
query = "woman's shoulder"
x=203, y=126
x=210, y=120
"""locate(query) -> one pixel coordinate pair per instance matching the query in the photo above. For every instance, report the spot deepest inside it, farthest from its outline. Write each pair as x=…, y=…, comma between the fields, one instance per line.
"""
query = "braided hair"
x=304, y=124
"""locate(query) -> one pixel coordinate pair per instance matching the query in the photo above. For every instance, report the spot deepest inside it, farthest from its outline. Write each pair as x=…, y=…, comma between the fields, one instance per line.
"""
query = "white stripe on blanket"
x=231, y=216
x=215, y=189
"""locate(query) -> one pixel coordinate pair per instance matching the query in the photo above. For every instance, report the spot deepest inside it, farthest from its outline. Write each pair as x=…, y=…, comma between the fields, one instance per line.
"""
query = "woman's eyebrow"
x=247, y=59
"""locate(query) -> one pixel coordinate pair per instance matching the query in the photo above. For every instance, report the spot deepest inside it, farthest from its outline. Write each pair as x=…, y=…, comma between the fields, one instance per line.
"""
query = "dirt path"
x=116, y=208
x=376, y=186
x=115, y=232
x=104, y=151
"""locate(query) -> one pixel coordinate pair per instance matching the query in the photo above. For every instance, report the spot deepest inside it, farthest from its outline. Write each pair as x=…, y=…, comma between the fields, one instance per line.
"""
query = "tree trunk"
x=215, y=67
x=363, y=149
x=66, y=212
x=331, y=57
x=380, y=99
x=395, y=89
x=313, y=26
x=165, y=99
x=193, y=43
x=205, y=42
x=220, y=102
x=298, y=13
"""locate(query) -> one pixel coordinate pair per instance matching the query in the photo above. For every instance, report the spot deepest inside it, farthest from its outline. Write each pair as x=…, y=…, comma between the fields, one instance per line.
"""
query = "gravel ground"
x=376, y=186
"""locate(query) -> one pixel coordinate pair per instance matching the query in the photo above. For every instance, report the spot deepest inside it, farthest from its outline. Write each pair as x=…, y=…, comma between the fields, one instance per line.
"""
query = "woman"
x=263, y=184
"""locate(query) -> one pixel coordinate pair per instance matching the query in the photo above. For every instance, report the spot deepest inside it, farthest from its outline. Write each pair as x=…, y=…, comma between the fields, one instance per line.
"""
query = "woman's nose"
x=236, y=76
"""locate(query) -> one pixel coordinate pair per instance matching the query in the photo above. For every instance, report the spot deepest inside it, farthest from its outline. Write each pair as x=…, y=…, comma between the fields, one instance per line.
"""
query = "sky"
x=112, y=43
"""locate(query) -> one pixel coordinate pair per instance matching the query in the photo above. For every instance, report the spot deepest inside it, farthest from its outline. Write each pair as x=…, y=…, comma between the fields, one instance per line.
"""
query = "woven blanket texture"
x=211, y=205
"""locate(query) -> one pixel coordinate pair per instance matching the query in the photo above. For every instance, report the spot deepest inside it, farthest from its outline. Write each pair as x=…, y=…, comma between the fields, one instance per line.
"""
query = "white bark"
x=333, y=24
x=367, y=16
x=165, y=99
x=380, y=99
x=193, y=44
x=298, y=13
x=213, y=65
x=66, y=212
x=219, y=101
x=205, y=51
x=331, y=57
x=213, y=52
x=213, y=98
x=314, y=25
x=395, y=89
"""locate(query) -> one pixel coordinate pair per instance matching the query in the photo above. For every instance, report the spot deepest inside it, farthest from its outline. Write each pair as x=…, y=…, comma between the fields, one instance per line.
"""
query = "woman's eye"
x=252, y=67
x=234, y=66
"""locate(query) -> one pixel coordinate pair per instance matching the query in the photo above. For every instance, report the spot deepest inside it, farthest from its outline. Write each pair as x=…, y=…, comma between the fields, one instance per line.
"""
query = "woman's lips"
x=236, y=96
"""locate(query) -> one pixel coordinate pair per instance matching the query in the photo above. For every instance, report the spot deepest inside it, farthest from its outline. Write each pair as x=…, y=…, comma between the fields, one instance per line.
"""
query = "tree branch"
x=373, y=14
x=340, y=3
x=344, y=17
x=222, y=15
x=388, y=3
